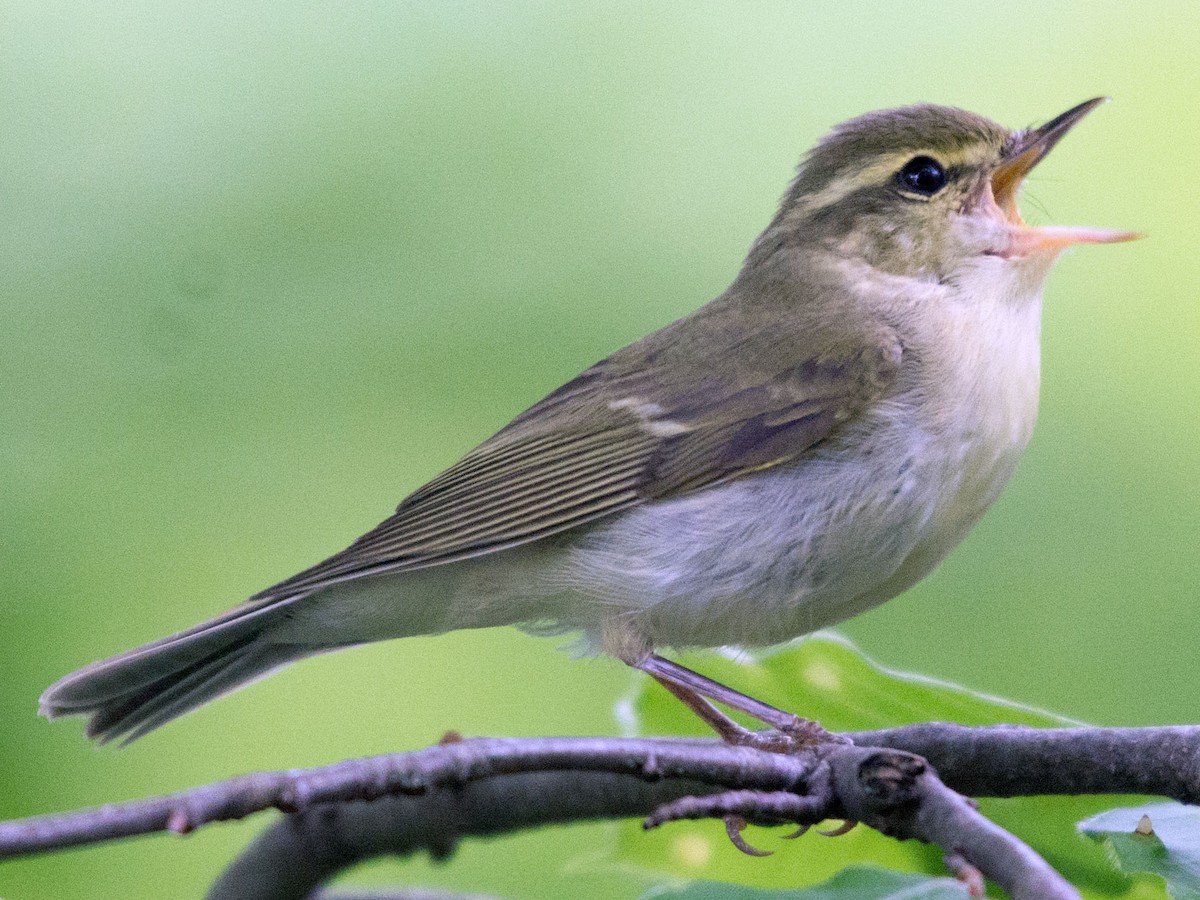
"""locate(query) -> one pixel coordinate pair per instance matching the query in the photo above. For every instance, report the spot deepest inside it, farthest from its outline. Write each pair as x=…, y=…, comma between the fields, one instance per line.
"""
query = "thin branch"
x=898, y=794
x=991, y=761
x=1018, y=761
x=486, y=786
x=298, y=853
x=902, y=797
x=890, y=790
x=415, y=773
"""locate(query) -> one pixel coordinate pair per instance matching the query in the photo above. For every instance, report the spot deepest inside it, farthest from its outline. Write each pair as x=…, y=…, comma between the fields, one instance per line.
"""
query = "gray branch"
x=1018, y=761
x=430, y=799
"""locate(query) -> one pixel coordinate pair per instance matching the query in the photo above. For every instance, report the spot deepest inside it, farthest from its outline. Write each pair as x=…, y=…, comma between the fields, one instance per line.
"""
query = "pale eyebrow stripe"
x=841, y=188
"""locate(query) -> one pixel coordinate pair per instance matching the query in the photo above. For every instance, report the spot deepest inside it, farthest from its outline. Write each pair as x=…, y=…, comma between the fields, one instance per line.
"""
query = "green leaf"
x=825, y=677
x=857, y=883
x=1167, y=844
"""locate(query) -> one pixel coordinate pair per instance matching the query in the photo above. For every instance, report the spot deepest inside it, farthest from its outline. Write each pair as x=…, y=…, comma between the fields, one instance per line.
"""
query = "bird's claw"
x=845, y=828
x=734, y=826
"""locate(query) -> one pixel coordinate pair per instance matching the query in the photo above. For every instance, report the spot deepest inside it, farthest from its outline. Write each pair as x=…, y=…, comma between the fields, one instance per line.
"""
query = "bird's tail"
x=133, y=693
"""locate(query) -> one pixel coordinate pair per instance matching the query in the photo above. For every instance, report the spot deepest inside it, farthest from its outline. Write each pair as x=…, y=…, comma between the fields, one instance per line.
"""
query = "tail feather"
x=132, y=694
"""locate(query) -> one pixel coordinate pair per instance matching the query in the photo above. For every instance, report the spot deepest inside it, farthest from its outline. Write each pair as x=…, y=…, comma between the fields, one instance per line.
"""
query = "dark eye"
x=923, y=175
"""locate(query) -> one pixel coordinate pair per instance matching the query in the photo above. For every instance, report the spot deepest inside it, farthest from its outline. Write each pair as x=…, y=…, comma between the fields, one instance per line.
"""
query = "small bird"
x=809, y=444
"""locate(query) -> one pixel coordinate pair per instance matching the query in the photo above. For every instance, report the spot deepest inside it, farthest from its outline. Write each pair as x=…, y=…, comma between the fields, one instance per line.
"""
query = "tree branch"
x=1017, y=761
x=298, y=853
x=487, y=786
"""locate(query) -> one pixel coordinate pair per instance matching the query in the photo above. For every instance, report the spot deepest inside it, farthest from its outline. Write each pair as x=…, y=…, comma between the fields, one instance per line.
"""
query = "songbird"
x=807, y=445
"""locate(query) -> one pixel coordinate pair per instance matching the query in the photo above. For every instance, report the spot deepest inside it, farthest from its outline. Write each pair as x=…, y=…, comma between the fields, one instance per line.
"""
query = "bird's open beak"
x=1029, y=150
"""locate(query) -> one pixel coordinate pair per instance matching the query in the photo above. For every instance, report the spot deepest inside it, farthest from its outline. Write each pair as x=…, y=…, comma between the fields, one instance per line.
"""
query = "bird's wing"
x=607, y=441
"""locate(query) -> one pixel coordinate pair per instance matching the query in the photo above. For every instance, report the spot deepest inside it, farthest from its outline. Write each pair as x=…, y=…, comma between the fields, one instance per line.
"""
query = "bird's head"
x=927, y=191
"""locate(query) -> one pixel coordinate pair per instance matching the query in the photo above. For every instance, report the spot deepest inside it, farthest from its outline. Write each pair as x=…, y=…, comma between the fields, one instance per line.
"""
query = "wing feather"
x=611, y=439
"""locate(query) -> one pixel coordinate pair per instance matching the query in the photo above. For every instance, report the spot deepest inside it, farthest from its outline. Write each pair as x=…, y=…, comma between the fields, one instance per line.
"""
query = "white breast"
x=984, y=365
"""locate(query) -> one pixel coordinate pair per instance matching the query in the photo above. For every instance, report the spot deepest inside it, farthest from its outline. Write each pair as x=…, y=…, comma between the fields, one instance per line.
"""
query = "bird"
x=807, y=445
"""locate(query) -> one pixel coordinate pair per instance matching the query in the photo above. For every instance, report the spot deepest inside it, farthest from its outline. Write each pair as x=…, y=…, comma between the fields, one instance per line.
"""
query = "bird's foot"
x=738, y=808
x=803, y=734
x=797, y=737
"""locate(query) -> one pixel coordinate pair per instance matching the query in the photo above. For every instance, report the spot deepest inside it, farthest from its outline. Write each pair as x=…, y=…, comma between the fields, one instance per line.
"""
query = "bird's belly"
x=784, y=552
x=755, y=561
x=973, y=478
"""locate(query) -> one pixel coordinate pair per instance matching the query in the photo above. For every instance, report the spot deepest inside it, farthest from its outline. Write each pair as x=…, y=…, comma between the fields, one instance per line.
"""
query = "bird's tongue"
x=1027, y=239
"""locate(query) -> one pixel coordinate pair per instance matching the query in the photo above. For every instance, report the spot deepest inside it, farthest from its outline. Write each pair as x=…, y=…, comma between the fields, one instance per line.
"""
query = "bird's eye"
x=922, y=175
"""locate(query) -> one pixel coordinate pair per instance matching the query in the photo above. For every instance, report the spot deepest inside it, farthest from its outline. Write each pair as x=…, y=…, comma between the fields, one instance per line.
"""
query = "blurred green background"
x=265, y=267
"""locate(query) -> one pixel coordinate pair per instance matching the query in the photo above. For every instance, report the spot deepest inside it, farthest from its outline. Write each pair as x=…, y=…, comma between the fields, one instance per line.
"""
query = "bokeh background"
x=265, y=267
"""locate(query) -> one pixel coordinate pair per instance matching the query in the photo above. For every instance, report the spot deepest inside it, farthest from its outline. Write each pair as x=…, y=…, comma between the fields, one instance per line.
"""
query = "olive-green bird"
x=807, y=445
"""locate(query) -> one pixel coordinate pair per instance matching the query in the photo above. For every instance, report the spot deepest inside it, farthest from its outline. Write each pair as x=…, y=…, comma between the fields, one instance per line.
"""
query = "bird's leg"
x=727, y=730
x=692, y=688
x=664, y=671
